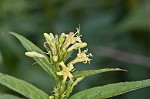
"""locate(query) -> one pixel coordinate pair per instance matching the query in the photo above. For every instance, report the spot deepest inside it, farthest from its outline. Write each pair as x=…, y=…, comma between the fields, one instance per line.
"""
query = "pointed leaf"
x=9, y=97
x=31, y=47
x=22, y=87
x=110, y=90
x=93, y=72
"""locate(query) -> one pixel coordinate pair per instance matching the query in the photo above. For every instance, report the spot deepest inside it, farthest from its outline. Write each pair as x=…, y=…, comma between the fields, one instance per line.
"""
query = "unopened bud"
x=33, y=54
x=51, y=97
x=76, y=46
x=62, y=37
x=48, y=37
x=82, y=45
x=51, y=35
x=55, y=58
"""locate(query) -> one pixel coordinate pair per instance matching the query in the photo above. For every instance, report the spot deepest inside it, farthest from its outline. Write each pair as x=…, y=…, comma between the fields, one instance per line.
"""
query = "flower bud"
x=33, y=54
x=62, y=37
x=48, y=37
x=52, y=42
x=82, y=45
x=51, y=97
x=55, y=58
x=51, y=35
x=76, y=46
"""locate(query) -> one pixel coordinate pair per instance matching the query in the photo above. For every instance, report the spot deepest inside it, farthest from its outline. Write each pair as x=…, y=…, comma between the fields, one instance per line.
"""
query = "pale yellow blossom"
x=71, y=38
x=76, y=39
x=82, y=57
x=68, y=40
x=65, y=72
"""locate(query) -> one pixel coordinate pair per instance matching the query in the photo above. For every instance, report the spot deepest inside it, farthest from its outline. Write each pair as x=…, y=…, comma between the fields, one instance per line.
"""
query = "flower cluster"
x=59, y=48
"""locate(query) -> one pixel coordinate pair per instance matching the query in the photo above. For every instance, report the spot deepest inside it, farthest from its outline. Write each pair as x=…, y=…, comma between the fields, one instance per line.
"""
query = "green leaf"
x=22, y=87
x=31, y=47
x=6, y=96
x=85, y=73
x=110, y=90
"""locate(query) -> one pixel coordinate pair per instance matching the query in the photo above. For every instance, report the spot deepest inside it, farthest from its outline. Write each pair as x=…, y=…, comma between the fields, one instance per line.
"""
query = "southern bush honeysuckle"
x=58, y=49
x=55, y=63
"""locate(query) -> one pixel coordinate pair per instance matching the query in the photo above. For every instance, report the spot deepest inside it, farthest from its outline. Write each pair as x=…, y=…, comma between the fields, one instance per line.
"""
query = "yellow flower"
x=33, y=54
x=82, y=57
x=65, y=72
x=71, y=38
x=68, y=40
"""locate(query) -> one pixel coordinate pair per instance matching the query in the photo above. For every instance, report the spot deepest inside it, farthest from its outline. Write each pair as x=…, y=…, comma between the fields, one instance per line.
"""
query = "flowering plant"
x=54, y=62
x=59, y=50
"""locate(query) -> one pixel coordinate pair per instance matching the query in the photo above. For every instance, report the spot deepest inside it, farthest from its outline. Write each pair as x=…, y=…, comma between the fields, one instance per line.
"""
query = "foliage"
x=9, y=97
x=22, y=87
x=55, y=65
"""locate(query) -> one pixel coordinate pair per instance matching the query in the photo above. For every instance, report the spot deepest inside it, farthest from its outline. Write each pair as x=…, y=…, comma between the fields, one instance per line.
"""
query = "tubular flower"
x=65, y=72
x=60, y=47
x=82, y=57
x=71, y=38
x=33, y=54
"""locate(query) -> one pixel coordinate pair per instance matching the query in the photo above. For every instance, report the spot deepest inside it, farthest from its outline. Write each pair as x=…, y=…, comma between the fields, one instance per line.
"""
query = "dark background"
x=117, y=32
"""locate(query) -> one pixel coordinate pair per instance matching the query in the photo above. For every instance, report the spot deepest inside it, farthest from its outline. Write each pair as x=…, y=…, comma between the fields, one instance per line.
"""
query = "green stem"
x=62, y=90
x=69, y=89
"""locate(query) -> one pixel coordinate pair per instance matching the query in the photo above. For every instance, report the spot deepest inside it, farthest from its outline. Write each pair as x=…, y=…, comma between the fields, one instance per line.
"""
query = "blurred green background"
x=117, y=32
